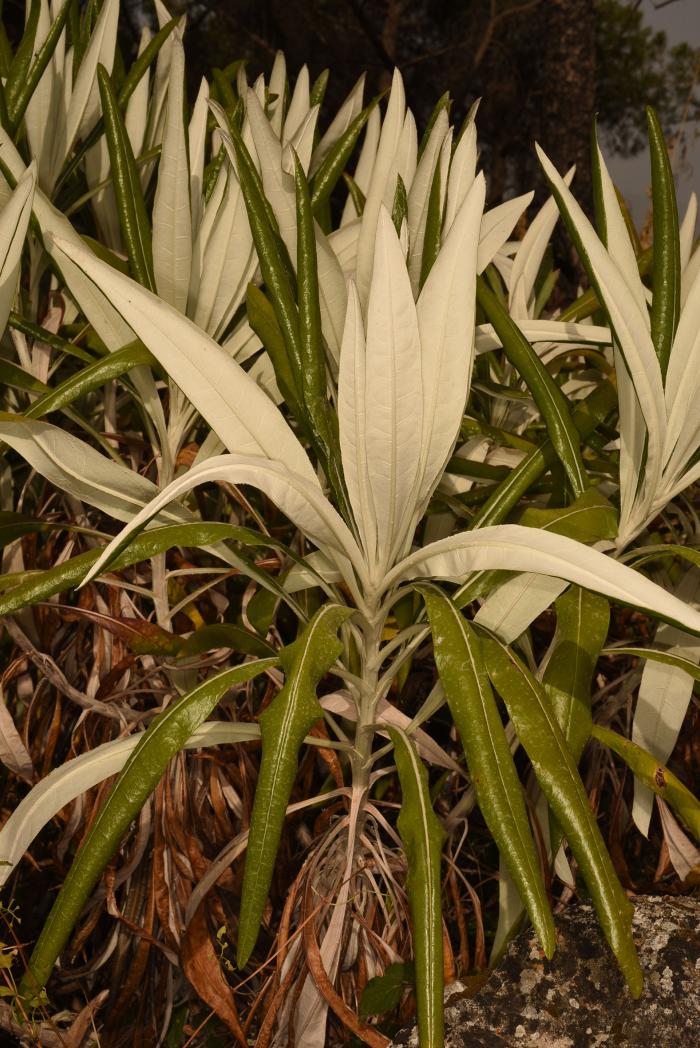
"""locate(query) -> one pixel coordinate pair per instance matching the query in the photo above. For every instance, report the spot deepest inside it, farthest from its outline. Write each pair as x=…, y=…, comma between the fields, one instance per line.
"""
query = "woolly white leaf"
x=216, y=385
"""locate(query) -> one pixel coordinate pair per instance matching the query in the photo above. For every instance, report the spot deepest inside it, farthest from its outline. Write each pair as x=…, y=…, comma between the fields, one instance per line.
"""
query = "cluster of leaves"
x=432, y=457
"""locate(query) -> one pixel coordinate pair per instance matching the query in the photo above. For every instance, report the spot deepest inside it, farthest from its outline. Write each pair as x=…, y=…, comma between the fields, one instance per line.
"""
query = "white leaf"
x=298, y=498
x=136, y=116
x=618, y=241
x=299, y=105
x=445, y=313
x=278, y=86
x=352, y=423
x=172, y=218
x=630, y=325
x=217, y=386
x=514, y=606
x=512, y=547
x=687, y=231
x=350, y=108
x=13, y=752
x=393, y=391
x=75, y=777
x=277, y=183
x=462, y=174
x=73, y=466
x=14, y=220
x=528, y=257
x=662, y=701
x=419, y=196
x=497, y=225
x=365, y=164
x=546, y=331
x=197, y=143
x=84, y=107
x=383, y=169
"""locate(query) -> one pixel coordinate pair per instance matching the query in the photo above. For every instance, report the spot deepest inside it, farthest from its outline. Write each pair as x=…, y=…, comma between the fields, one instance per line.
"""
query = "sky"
x=681, y=22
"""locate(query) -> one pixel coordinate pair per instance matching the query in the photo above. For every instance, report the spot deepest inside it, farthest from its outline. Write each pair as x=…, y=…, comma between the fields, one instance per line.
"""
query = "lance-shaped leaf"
x=511, y=547
x=304, y=503
x=582, y=626
x=335, y=160
x=14, y=220
x=655, y=776
x=165, y=737
x=172, y=218
x=393, y=390
x=23, y=80
x=28, y=587
x=538, y=731
x=76, y=776
x=666, y=301
x=549, y=398
x=133, y=217
x=422, y=837
x=234, y=406
x=445, y=313
x=459, y=660
x=283, y=727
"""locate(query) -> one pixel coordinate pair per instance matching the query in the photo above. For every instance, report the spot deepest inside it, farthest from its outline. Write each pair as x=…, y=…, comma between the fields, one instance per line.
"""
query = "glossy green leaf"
x=21, y=63
x=19, y=91
x=133, y=216
x=422, y=837
x=549, y=398
x=666, y=272
x=15, y=525
x=433, y=227
x=30, y=587
x=336, y=159
x=263, y=321
x=583, y=619
x=283, y=727
x=507, y=495
x=666, y=657
x=142, y=772
x=459, y=660
x=655, y=776
x=536, y=725
x=225, y=635
x=399, y=208
x=92, y=377
x=35, y=331
x=588, y=519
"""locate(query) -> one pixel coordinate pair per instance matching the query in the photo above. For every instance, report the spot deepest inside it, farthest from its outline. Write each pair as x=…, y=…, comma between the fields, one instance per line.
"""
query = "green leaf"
x=460, y=663
x=131, y=206
x=655, y=776
x=595, y=408
x=537, y=728
x=335, y=160
x=589, y=518
x=263, y=321
x=399, y=208
x=667, y=657
x=225, y=635
x=20, y=323
x=28, y=588
x=582, y=626
x=666, y=273
x=91, y=377
x=383, y=993
x=142, y=772
x=21, y=63
x=433, y=227
x=550, y=400
x=18, y=93
x=422, y=837
x=15, y=525
x=283, y=727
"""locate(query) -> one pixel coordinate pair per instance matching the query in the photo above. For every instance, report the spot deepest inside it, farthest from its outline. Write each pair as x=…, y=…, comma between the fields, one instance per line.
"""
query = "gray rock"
x=578, y=999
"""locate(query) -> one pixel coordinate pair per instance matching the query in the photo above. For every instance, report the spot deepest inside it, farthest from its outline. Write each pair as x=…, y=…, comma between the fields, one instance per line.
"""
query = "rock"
x=578, y=999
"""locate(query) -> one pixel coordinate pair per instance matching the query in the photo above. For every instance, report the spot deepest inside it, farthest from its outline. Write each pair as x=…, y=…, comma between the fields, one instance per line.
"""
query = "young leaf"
x=459, y=660
x=540, y=735
x=666, y=301
x=283, y=727
x=133, y=217
x=165, y=737
x=14, y=222
x=422, y=837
